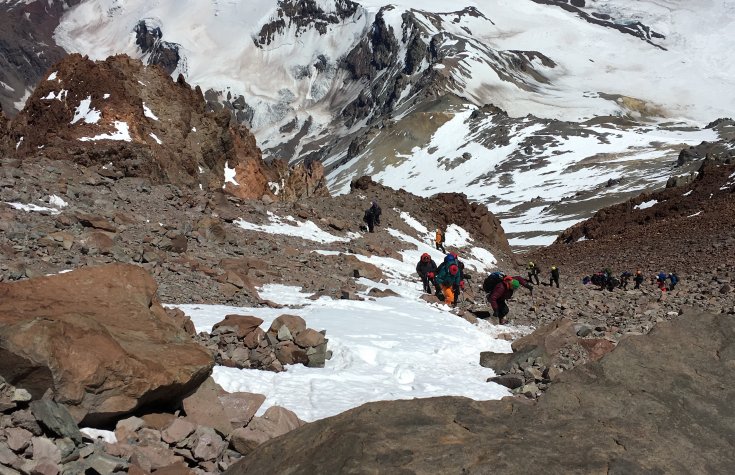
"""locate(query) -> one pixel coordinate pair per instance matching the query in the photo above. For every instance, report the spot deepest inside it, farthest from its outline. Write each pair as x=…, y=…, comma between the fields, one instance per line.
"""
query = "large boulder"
x=99, y=341
x=659, y=403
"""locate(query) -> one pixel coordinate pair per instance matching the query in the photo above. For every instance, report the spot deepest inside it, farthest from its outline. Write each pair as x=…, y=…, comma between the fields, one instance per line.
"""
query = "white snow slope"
x=691, y=79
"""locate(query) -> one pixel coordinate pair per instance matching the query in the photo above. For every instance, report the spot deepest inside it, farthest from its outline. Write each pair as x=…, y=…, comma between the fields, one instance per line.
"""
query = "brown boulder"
x=275, y=422
x=244, y=324
x=597, y=347
x=546, y=341
x=294, y=323
x=203, y=407
x=241, y=407
x=99, y=340
x=288, y=352
x=309, y=337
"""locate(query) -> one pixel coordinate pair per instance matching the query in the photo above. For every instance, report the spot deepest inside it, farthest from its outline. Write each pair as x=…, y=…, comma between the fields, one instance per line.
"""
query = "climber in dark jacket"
x=554, y=278
x=372, y=216
x=533, y=272
x=638, y=279
x=426, y=269
x=498, y=297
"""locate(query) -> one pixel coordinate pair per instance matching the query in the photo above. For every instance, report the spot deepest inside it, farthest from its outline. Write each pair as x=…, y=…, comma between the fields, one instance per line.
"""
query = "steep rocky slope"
x=685, y=228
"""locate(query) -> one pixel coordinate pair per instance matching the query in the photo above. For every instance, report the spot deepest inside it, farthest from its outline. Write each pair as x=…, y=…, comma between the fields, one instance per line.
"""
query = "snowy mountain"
x=545, y=110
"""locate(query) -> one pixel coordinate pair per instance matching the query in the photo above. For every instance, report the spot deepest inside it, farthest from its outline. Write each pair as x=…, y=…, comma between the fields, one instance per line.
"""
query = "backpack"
x=492, y=280
x=674, y=278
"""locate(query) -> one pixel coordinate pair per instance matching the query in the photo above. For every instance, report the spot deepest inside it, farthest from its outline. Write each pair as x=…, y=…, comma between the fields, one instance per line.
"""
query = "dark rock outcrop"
x=159, y=52
x=97, y=341
x=658, y=403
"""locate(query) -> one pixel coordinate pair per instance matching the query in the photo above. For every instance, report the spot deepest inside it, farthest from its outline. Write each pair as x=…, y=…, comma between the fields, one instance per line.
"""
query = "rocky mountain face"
x=133, y=120
x=118, y=171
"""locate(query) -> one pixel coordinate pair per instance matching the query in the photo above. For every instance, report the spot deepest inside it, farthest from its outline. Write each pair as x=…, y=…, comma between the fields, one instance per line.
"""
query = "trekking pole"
x=533, y=303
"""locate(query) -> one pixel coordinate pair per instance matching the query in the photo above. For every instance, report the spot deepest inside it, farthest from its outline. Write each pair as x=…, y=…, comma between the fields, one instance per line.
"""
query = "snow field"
x=383, y=349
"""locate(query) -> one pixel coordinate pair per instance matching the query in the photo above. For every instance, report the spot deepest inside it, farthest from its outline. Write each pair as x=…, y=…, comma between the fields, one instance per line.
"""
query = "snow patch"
x=646, y=204
x=57, y=201
x=52, y=76
x=148, y=112
x=94, y=434
x=158, y=141
x=229, y=175
x=86, y=113
x=32, y=207
x=289, y=226
x=61, y=95
x=122, y=132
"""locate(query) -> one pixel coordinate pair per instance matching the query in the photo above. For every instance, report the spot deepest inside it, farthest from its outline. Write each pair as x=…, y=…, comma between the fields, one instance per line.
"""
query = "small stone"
x=44, y=448
x=529, y=390
x=57, y=419
x=125, y=429
x=284, y=334
x=21, y=395
x=177, y=431
x=18, y=438
x=104, y=464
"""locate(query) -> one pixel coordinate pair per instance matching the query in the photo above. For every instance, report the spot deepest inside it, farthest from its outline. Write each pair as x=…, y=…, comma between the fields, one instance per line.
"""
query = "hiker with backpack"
x=439, y=240
x=372, y=216
x=499, y=296
x=673, y=280
x=533, y=272
x=638, y=279
x=661, y=281
x=554, y=277
x=426, y=268
x=494, y=278
x=625, y=280
x=448, y=279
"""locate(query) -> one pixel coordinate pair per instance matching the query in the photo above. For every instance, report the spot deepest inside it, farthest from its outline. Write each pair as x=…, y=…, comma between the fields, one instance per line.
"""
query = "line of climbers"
x=605, y=279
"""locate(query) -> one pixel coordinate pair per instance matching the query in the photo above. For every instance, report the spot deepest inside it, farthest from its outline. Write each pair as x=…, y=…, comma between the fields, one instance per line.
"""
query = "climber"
x=533, y=272
x=372, y=216
x=673, y=280
x=638, y=279
x=554, y=277
x=426, y=269
x=439, y=240
x=498, y=297
x=448, y=279
x=625, y=280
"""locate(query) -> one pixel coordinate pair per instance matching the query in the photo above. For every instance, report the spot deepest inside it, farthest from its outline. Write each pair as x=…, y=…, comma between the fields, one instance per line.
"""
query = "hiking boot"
x=501, y=321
